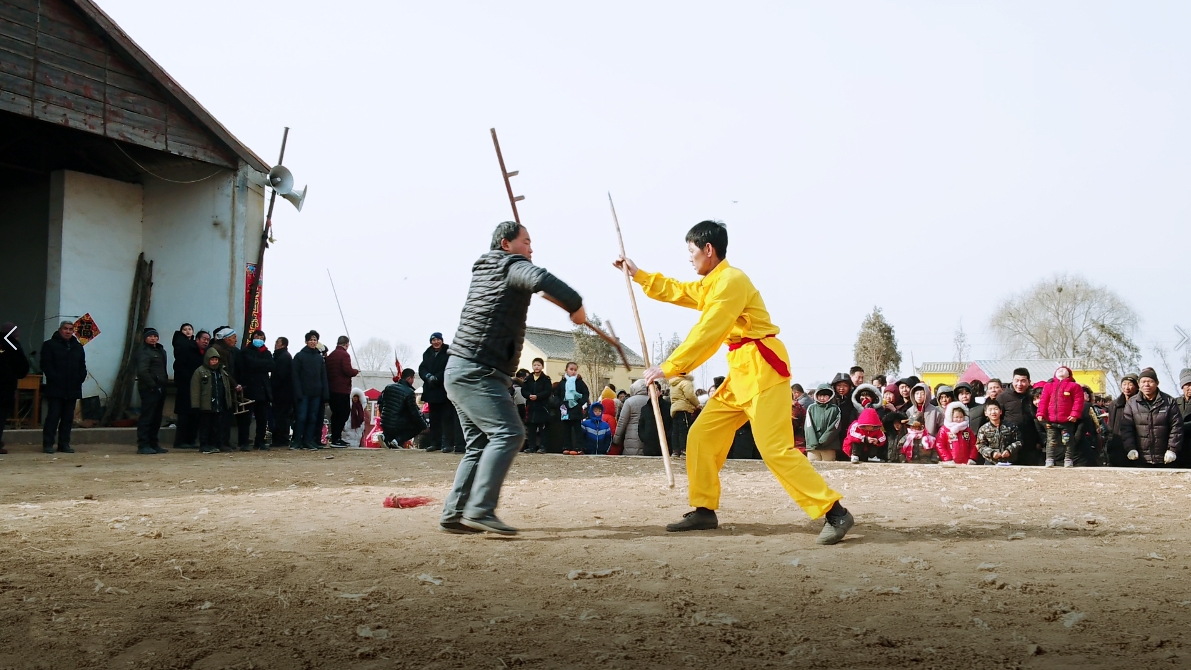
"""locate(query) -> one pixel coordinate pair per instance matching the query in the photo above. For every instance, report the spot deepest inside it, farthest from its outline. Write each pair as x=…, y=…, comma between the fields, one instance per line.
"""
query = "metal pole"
x=253, y=293
x=653, y=391
x=350, y=342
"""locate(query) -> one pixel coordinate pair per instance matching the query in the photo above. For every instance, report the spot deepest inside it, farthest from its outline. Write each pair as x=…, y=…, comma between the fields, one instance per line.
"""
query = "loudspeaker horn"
x=296, y=197
x=281, y=179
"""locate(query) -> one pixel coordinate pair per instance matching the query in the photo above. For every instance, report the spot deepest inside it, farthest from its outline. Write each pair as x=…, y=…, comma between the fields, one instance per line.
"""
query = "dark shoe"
x=65, y=450
x=431, y=448
x=457, y=528
x=340, y=444
x=835, y=529
x=209, y=450
x=295, y=447
x=159, y=450
x=185, y=446
x=490, y=524
x=540, y=451
x=699, y=518
x=47, y=450
x=263, y=447
x=461, y=450
x=145, y=450
x=245, y=447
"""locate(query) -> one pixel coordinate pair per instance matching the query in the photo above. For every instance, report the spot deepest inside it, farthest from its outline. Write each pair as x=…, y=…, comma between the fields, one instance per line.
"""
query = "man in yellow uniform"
x=756, y=389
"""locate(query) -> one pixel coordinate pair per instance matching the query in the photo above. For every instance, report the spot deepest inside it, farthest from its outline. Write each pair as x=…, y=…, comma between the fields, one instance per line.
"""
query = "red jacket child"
x=1062, y=399
x=865, y=437
x=956, y=442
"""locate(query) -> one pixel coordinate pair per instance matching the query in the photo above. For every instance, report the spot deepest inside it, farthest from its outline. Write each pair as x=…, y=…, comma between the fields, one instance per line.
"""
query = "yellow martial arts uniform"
x=754, y=391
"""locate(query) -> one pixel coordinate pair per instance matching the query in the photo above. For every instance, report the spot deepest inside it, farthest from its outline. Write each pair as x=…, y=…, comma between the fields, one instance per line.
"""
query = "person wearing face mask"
x=256, y=362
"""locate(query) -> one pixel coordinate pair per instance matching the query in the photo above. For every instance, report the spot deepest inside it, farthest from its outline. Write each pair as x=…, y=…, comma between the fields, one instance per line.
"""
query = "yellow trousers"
x=711, y=436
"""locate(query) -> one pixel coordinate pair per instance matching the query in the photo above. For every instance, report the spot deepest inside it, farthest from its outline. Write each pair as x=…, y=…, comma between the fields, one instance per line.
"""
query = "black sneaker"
x=65, y=450
x=461, y=450
x=699, y=518
x=431, y=448
x=47, y=450
x=457, y=528
x=159, y=450
x=490, y=524
x=185, y=446
x=835, y=529
x=145, y=451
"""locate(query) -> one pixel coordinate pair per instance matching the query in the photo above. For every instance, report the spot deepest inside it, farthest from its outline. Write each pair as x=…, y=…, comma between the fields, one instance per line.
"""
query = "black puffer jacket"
x=399, y=416
x=255, y=366
x=432, y=370
x=492, y=325
x=187, y=359
x=1152, y=427
x=151, y=372
x=310, y=374
x=1019, y=410
x=64, y=365
x=538, y=411
x=283, y=377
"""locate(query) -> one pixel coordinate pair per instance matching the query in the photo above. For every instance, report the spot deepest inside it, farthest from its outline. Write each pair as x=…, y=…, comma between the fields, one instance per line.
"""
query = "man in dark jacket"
x=65, y=368
x=225, y=342
x=1018, y=403
x=539, y=396
x=1116, y=412
x=434, y=393
x=282, y=382
x=485, y=352
x=256, y=362
x=187, y=359
x=1183, y=402
x=399, y=416
x=14, y=366
x=310, y=391
x=339, y=384
x=151, y=379
x=1152, y=425
x=992, y=391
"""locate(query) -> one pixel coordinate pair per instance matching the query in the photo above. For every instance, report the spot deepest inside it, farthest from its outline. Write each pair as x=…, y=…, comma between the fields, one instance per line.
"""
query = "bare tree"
x=1164, y=357
x=961, y=343
x=876, y=346
x=596, y=358
x=1068, y=317
x=375, y=354
x=668, y=347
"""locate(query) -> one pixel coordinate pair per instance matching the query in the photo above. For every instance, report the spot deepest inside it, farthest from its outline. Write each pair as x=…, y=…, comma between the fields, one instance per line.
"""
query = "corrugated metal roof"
x=942, y=367
x=1040, y=369
x=561, y=344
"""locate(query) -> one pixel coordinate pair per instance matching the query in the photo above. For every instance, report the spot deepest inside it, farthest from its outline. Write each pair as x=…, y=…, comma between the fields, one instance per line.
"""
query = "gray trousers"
x=494, y=434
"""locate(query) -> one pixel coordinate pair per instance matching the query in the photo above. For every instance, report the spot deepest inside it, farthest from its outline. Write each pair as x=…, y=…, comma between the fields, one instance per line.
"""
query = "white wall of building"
x=94, y=241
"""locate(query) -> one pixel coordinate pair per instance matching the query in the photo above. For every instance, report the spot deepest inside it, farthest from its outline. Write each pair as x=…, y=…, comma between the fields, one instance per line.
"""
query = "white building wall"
x=188, y=236
x=94, y=241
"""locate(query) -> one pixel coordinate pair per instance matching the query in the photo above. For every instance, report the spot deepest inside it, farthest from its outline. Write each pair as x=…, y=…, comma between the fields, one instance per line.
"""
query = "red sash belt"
x=773, y=359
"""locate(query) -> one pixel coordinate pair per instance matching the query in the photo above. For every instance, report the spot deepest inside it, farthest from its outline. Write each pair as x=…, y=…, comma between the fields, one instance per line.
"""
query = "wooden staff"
x=653, y=390
x=610, y=339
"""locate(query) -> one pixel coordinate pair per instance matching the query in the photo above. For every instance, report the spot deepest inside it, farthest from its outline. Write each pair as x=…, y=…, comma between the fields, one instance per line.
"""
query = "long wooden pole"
x=653, y=390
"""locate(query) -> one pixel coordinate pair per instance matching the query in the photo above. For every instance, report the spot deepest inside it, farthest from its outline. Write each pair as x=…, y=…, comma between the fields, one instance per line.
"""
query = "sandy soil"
x=289, y=560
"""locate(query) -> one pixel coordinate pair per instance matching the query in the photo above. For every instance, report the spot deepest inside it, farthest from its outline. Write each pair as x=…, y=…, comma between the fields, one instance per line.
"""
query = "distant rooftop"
x=561, y=344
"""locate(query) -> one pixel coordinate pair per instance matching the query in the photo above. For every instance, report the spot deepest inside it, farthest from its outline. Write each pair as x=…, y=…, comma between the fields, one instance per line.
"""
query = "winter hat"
x=1148, y=372
x=1132, y=376
x=963, y=385
x=892, y=388
x=1184, y=376
x=223, y=332
x=435, y=336
x=869, y=417
x=824, y=389
x=149, y=332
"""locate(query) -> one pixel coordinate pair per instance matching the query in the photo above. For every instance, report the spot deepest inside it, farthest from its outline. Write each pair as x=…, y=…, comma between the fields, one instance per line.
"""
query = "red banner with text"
x=252, y=308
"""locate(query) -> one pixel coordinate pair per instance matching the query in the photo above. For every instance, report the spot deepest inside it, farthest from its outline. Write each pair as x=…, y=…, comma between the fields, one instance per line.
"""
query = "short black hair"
x=879, y=381
x=855, y=369
x=710, y=232
x=201, y=333
x=718, y=381
x=521, y=373
x=258, y=331
x=408, y=373
x=342, y=340
x=994, y=379
x=284, y=341
x=797, y=387
x=505, y=230
x=313, y=333
x=1024, y=372
x=993, y=402
x=612, y=386
x=538, y=360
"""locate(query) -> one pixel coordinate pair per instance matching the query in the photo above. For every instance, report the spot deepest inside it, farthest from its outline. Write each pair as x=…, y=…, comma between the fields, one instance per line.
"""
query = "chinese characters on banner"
x=85, y=329
x=254, y=314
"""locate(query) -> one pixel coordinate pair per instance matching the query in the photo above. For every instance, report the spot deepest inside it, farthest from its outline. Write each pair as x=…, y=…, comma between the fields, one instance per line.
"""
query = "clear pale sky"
x=929, y=158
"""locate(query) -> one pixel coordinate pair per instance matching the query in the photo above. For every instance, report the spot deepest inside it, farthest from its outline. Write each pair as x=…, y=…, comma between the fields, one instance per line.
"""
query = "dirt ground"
x=289, y=560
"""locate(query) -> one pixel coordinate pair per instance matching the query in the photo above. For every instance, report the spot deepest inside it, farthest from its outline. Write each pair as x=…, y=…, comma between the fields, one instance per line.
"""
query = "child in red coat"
x=866, y=437
x=956, y=441
x=1060, y=409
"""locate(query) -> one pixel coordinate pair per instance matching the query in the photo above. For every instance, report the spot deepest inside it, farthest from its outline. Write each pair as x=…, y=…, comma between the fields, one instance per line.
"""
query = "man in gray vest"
x=485, y=353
